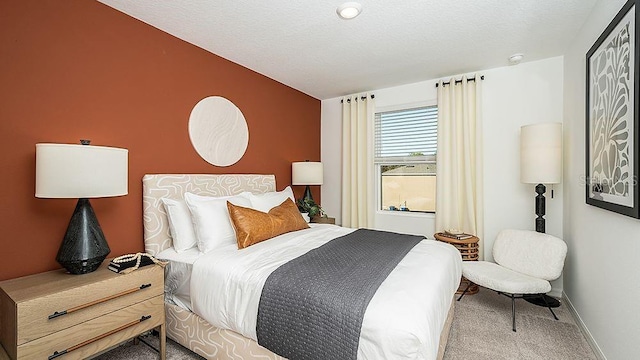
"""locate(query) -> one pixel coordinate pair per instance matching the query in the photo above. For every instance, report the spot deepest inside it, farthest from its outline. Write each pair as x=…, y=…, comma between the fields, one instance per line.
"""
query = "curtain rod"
x=460, y=80
x=373, y=96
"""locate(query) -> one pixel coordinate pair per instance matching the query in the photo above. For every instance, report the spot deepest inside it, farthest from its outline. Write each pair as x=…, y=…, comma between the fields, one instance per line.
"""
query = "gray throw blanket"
x=312, y=307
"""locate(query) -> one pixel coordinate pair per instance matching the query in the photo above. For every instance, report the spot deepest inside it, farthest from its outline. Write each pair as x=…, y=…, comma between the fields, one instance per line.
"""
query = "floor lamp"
x=541, y=163
x=81, y=172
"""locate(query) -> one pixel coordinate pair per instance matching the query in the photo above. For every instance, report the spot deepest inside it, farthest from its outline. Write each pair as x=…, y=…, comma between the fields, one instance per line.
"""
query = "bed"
x=233, y=339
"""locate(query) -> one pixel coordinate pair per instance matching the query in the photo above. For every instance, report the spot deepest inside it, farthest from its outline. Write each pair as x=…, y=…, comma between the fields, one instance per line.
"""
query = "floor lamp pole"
x=540, y=208
x=540, y=227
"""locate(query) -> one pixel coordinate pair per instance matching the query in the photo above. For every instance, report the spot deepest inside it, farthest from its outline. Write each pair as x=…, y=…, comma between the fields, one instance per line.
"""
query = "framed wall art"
x=612, y=159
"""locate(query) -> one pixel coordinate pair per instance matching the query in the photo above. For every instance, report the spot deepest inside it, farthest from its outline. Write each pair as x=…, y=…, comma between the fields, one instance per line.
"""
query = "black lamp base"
x=84, y=247
x=537, y=300
x=82, y=266
x=307, y=194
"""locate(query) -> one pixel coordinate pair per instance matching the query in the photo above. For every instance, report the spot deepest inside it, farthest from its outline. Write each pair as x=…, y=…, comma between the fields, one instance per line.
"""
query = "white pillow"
x=211, y=221
x=267, y=201
x=180, y=224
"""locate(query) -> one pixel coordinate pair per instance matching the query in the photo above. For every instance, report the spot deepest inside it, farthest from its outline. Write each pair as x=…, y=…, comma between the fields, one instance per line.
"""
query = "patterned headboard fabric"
x=157, y=236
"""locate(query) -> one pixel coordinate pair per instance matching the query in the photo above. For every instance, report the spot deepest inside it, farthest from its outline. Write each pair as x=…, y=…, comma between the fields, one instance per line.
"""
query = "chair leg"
x=465, y=291
x=549, y=307
x=513, y=311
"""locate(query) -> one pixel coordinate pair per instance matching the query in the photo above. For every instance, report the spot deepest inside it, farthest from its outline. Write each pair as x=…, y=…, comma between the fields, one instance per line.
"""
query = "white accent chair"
x=525, y=262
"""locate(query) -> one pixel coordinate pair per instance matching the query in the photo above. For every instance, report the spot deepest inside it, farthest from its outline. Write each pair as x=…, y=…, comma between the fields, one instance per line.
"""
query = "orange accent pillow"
x=253, y=226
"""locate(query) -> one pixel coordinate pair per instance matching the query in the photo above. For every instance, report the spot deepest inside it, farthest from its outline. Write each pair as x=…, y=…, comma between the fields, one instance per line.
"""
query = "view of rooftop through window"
x=408, y=187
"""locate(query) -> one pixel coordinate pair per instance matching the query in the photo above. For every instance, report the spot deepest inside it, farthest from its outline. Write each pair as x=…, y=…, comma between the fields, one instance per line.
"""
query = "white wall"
x=331, y=157
x=513, y=96
x=602, y=267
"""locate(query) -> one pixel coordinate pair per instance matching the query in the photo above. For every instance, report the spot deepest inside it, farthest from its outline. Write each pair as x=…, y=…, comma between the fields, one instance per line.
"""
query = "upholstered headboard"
x=157, y=236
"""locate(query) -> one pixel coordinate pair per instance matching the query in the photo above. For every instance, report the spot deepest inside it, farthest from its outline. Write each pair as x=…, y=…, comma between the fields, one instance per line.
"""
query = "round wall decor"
x=218, y=131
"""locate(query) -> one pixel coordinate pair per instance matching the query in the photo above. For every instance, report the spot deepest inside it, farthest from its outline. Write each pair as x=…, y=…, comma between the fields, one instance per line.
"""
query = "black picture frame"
x=612, y=127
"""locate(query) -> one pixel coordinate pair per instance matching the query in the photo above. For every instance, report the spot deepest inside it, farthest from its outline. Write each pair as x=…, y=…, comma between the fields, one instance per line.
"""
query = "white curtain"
x=459, y=188
x=357, y=160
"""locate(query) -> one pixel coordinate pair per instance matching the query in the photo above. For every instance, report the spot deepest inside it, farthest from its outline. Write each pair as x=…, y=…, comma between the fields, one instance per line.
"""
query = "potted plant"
x=309, y=206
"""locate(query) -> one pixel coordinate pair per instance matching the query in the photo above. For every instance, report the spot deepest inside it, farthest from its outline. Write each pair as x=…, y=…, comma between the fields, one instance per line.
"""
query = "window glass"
x=405, y=155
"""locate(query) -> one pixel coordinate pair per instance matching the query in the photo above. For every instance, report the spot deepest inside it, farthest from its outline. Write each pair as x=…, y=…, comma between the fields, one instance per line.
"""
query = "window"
x=405, y=157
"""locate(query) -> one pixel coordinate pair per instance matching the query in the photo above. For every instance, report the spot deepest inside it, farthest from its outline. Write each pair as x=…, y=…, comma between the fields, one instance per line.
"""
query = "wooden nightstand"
x=323, y=220
x=58, y=315
x=469, y=250
x=3, y=354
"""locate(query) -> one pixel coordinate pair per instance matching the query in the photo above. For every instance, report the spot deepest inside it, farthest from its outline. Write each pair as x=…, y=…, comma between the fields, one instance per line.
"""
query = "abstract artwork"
x=611, y=117
x=218, y=131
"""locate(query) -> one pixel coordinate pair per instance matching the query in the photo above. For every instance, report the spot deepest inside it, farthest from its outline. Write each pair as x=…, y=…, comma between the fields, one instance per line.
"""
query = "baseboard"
x=592, y=342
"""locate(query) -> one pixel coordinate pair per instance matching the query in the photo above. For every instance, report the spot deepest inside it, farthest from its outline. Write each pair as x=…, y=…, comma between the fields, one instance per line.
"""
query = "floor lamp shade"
x=82, y=172
x=541, y=153
x=307, y=173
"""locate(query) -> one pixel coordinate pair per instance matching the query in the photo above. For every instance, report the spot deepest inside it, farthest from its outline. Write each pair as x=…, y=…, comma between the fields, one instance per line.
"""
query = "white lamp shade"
x=80, y=171
x=306, y=173
x=541, y=153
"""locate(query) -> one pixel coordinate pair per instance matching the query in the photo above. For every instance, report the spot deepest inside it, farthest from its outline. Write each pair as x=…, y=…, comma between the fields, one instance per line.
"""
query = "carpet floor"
x=481, y=330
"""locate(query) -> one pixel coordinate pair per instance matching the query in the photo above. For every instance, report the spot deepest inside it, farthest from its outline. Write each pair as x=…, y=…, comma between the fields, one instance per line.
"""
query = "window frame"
x=377, y=167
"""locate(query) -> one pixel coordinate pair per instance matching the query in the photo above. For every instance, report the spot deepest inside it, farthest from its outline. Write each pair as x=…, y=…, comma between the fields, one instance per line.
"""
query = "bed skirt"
x=194, y=333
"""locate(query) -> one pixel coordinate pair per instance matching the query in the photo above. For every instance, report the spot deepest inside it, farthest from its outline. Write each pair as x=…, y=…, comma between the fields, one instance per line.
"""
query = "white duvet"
x=403, y=320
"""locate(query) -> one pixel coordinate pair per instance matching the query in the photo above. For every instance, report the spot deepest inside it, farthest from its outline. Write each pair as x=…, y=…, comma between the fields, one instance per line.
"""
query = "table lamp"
x=541, y=161
x=81, y=171
x=306, y=173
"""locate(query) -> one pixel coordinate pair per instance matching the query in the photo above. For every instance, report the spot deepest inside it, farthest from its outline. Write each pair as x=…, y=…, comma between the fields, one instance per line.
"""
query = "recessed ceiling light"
x=349, y=10
x=515, y=59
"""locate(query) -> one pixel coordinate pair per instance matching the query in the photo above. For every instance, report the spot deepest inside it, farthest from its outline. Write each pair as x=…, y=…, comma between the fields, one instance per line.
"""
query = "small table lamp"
x=541, y=161
x=306, y=173
x=83, y=172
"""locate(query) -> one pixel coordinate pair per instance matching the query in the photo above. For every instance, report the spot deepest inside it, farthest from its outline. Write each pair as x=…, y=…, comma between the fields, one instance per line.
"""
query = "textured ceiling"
x=305, y=45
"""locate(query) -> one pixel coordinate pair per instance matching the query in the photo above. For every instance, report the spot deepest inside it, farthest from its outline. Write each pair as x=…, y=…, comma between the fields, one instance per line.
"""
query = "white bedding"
x=403, y=320
x=177, y=277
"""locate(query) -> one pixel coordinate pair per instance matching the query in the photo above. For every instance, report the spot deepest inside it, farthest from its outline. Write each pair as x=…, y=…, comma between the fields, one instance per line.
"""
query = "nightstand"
x=469, y=251
x=48, y=315
x=323, y=220
x=3, y=354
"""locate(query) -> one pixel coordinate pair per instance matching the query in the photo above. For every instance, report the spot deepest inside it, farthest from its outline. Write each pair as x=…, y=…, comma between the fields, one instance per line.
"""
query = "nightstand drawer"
x=98, y=334
x=83, y=300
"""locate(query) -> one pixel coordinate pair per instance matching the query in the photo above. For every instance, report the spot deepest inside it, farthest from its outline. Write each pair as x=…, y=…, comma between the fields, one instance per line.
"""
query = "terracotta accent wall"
x=77, y=69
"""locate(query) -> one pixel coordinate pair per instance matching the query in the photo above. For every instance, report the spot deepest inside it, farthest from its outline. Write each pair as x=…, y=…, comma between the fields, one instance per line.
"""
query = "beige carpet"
x=129, y=351
x=481, y=330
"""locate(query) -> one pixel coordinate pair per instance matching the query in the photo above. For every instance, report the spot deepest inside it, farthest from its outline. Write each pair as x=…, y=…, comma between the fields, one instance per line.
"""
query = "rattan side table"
x=469, y=250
